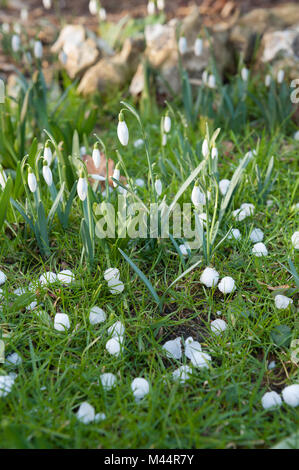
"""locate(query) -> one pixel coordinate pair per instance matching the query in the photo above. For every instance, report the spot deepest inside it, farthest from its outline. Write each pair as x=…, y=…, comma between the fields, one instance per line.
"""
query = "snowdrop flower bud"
x=184, y=250
x=218, y=326
x=282, y=302
x=102, y=14
x=5, y=28
x=113, y=346
x=212, y=81
x=3, y=178
x=227, y=285
x=197, y=197
x=96, y=155
x=93, y=7
x=38, y=50
x=108, y=380
x=116, y=175
x=15, y=43
x=214, y=152
x=32, y=181
x=111, y=273
x=164, y=139
x=267, y=80
x=82, y=187
x=61, y=322
x=280, y=76
x=47, y=174
x=167, y=124
x=140, y=388
x=48, y=156
x=2, y=278
x=256, y=235
x=183, y=45
x=234, y=233
x=295, y=240
x=205, y=77
x=290, y=395
x=259, y=249
x=96, y=315
x=296, y=137
x=24, y=14
x=160, y=5
x=122, y=130
x=151, y=8
x=209, y=277
x=173, y=348
x=244, y=74
x=223, y=186
x=86, y=413
x=158, y=187
x=205, y=148
x=198, y=46
x=182, y=374
x=271, y=400
x=47, y=4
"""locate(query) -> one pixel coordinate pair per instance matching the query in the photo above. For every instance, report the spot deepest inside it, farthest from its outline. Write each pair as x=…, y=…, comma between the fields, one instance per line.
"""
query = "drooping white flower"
x=6, y=384
x=205, y=77
x=48, y=278
x=86, y=413
x=271, y=400
x=183, y=46
x=61, y=322
x=38, y=50
x=205, y=148
x=47, y=4
x=140, y=388
x=267, y=80
x=198, y=47
x=108, y=380
x=93, y=7
x=151, y=7
x=15, y=43
x=282, y=301
x=111, y=273
x=113, y=346
x=234, y=233
x=164, y=139
x=296, y=135
x=227, y=285
x=167, y=124
x=214, y=152
x=116, y=286
x=295, y=240
x=212, y=81
x=290, y=395
x=102, y=14
x=82, y=188
x=256, y=235
x=218, y=326
x=122, y=130
x=280, y=76
x=96, y=315
x=2, y=277
x=184, y=249
x=245, y=74
x=47, y=174
x=173, y=348
x=259, y=249
x=14, y=359
x=182, y=374
x=32, y=183
x=116, y=175
x=158, y=187
x=209, y=277
x=223, y=186
x=161, y=5
x=65, y=276
x=197, y=197
x=96, y=155
x=48, y=155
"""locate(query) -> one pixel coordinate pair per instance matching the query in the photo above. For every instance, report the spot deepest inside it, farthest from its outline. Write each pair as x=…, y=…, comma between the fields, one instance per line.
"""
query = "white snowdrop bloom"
x=161, y=5
x=209, y=277
x=223, y=186
x=212, y=81
x=116, y=286
x=108, y=380
x=66, y=276
x=227, y=285
x=256, y=235
x=259, y=249
x=48, y=278
x=198, y=47
x=173, y=348
x=205, y=77
x=86, y=413
x=184, y=249
x=38, y=50
x=5, y=28
x=182, y=374
x=32, y=183
x=3, y=178
x=93, y=7
x=197, y=197
x=158, y=187
x=15, y=43
x=117, y=329
x=214, y=152
x=113, y=346
x=82, y=188
x=151, y=8
x=61, y=322
x=267, y=80
x=47, y=4
x=290, y=395
x=296, y=135
x=99, y=417
x=102, y=14
x=14, y=359
x=31, y=306
x=234, y=233
x=271, y=365
x=138, y=143
x=251, y=154
x=271, y=400
x=48, y=155
x=200, y=359
x=282, y=302
x=122, y=130
x=17, y=28
x=96, y=156
x=183, y=45
x=295, y=240
x=47, y=174
x=280, y=76
x=218, y=326
x=2, y=278
x=205, y=148
x=140, y=182
x=164, y=139
x=96, y=315
x=140, y=388
x=116, y=176
x=245, y=74
x=111, y=273
x=166, y=124
x=6, y=384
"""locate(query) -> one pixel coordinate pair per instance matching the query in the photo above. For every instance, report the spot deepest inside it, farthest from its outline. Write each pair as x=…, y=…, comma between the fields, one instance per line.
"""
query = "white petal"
x=96, y=156
x=14, y=359
x=256, y=235
x=117, y=329
x=6, y=384
x=234, y=233
x=48, y=278
x=113, y=346
x=182, y=374
x=82, y=188
x=123, y=132
x=116, y=286
x=201, y=359
x=223, y=186
x=295, y=240
x=2, y=278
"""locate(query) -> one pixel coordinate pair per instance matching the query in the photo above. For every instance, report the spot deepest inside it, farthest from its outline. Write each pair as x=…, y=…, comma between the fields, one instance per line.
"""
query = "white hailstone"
x=102, y=14
x=108, y=380
x=47, y=174
x=161, y=5
x=259, y=249
x=295, y=240
x=65, y=276
x=140, y=388
x=47, y=4
x=212, y=81
x=86, y=413
x=96, y=315
x=2, y=278
x=182, y=374
x=244, y=211
x=113, y=346
x=138, y=143
x=209, y=277
x=218, y=326
x=111, y=273
x=6, y=384
x=282, y=302
x=256, y=235
x=197, y=197
x=191, y=347
x=205, y=77
x=61, y=322
x=271, y=400
x=234, y=233
x=116, y=286
x=205, y=148
x=200, y=359
x=19, y=291
x=122, y=130
x=198, y=47
x=267, y=80
x=183, y=45
x=117, y=329
x=48, y=278
x=223, y=186
x=99, y=417
x=271, y=365
x=48, y=156
x=214, y=152
x=151, y=8
x=116, y=176
x=140, y=182
x=93, y=7
x=3, y=178
x=280, y=76
x=38, y=50
x=244, y=74
x=173, y=348
x=296, y=135
x=184, y=249
x=96, y=156
x=82, y=188
x=31, y=306
x=167, y=124
x=14, y=359
x=290, y=395
x=227, y=285
x=158, y=187
x=32, y=183
x=15, y=43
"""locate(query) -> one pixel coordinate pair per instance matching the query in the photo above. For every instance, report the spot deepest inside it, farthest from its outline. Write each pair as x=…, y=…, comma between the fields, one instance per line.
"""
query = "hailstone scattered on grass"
x=61, y=322
x=209, y=277
x=259, y=249
x=173, y=348
x=140, y=388
x=271, y=400
x=281, y=301
x=290, y=395
x=96, y=315
x=227, y=285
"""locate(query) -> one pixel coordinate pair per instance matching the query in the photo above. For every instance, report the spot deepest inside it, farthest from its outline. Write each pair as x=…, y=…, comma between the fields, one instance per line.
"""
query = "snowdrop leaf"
x=281, y=335
x=43, y=228
x=4, y=200
x=22, y=212
x=55, y=205
x=76, y=145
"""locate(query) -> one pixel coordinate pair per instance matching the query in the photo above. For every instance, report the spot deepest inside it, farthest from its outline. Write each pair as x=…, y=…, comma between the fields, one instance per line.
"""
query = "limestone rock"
x=281, y=49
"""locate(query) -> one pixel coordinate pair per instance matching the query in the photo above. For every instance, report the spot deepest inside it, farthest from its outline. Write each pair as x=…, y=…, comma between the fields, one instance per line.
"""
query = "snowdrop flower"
x=244, y=74
x=116, y=286
x=96, y=155
x=66, y=276
x=138, y=143
x=61, y=322
x=227, y=285
x=296, y=135
x=151, y=8
x=38, y=50
x=48, y=278
x=47, y=174
x=140, y=388
x=271, y=400
x=108, y=380
x=96, y=315
x=102, y=14
x=160, y=5
x=164, y=139
x=93, y=7
x=218, y=326
x=251, y=154
x=282, y=302
x=280, y=76
x=86, y=413
x=3, y=178
x=5, y=28
x=184, y=249
x=82, y=187
x=234, y=233
x=290, y=395
x=182, y=374
x=111, y=273
x=122, y=130
x=2, y=278
x=256, y=235
x=209, y=277
x=214, y=152
x=295, y=240
x=197, y=197
x=173, y=348
x=47, y=4
x=259, y=249
x=183, y=45
x=198, y=46
x=48, y=156
x=140, y=182
x=6, y=384
x=14, y=359
x=205, y=77
x=167, y=124
x=113, y=346
x=212, y=81
x=267, y=80
x=158, y=187
x=32, y=181
x=223, y=186
x=116, y=175
x=205, y=148
x=1, y=294
x=15, y=43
